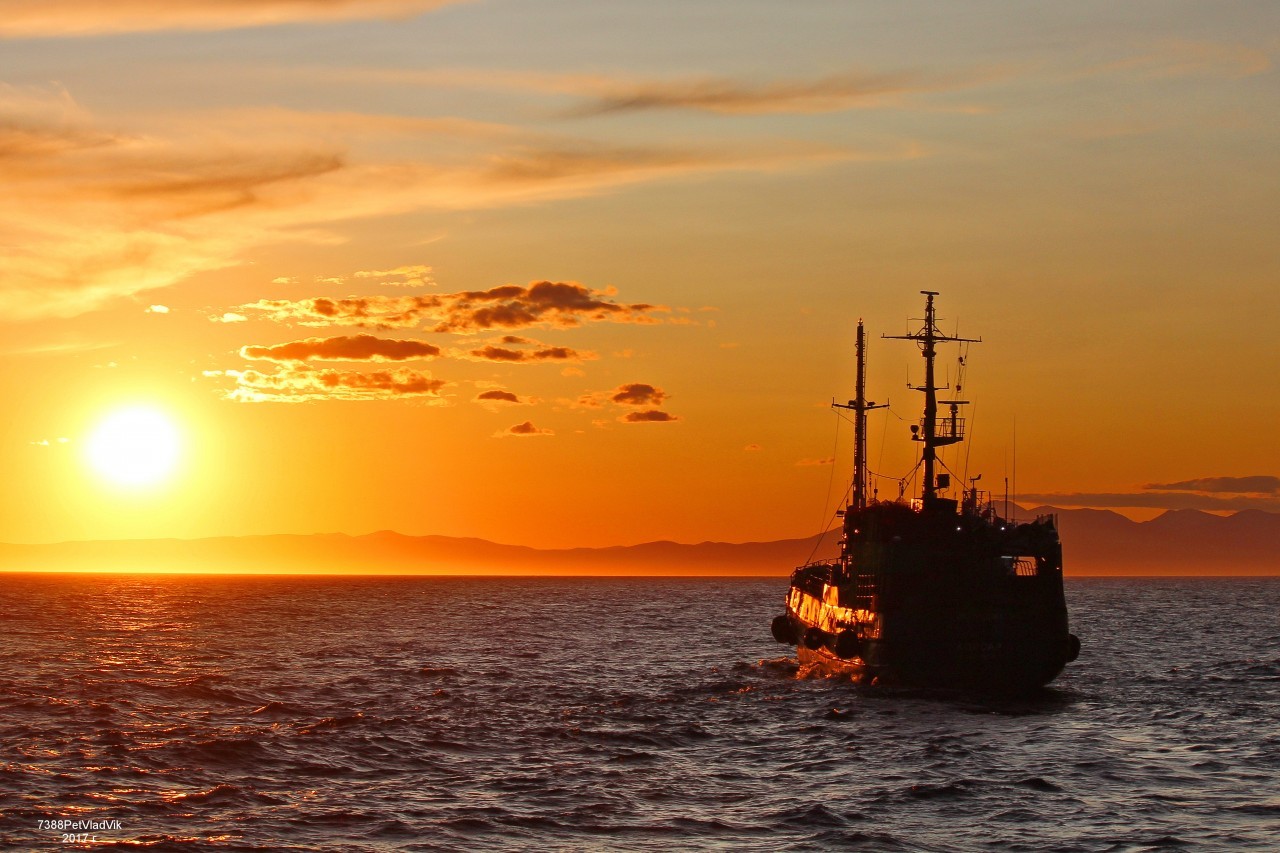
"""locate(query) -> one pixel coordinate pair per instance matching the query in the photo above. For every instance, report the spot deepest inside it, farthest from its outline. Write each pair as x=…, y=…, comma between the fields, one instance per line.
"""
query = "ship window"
x=1023, y=567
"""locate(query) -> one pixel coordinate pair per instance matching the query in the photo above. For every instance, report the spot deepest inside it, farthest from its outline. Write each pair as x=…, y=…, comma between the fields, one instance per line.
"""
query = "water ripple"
x=419, y=714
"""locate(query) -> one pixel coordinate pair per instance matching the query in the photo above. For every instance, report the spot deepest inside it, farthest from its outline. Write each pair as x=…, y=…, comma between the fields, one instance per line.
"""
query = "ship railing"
x=814, y=564
x=807, y=579
x=944, y=427
x=807, y=569
x=978, y=503
x=1021, y=565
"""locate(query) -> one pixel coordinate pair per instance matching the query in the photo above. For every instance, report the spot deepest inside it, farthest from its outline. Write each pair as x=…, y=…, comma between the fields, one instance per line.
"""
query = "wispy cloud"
x=832, y=93
x=1179, y=58
x=603, y=94
x=55, y=348
x=416, y=275
x=100, y=213
x=58, y=18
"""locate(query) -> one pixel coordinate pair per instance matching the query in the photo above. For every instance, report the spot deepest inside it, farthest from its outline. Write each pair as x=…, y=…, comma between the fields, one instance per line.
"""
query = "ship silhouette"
x=931, y=591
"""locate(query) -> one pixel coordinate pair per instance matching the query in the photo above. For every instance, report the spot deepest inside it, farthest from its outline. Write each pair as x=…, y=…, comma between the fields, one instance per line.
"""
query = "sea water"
x=380, y=714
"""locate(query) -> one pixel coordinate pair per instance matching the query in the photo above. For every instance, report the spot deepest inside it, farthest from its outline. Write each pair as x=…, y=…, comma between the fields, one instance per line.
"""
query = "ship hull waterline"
x=992, y=677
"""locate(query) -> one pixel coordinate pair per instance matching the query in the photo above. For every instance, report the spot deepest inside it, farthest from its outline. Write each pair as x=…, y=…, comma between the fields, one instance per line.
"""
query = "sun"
x=134, y=447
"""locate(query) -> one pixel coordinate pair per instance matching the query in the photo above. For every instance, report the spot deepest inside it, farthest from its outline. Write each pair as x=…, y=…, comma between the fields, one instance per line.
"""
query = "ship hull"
x=989, y=674
x=941, y=600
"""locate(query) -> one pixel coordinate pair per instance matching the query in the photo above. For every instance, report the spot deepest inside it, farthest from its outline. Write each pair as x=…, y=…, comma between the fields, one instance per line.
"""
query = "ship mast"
x=928, y=338
x=860, y=407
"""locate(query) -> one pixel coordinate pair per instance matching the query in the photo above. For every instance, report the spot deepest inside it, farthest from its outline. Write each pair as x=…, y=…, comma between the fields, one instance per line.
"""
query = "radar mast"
x=927, y=432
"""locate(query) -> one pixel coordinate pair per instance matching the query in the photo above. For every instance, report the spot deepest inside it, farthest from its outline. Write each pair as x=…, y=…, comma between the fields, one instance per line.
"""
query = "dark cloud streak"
x=1154, y=500
x=498, y=396
x=834, y=93
x=650, y=416
x=1256, y=485
x=345, y=348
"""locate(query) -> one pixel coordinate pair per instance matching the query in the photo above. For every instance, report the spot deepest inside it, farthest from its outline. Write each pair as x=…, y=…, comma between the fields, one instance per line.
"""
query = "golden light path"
x=134, y=447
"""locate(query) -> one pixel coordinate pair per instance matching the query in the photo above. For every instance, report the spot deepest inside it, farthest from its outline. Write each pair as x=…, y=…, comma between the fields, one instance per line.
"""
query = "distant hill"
x=1096, y=542
x=388, y=552
x=1178, y=542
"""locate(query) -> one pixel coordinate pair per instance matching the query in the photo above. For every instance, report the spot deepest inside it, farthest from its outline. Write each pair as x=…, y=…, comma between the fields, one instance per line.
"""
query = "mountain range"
x=1095, y=542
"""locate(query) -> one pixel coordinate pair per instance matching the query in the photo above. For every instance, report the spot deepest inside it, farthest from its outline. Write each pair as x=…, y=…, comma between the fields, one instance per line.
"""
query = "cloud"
x=1256, y=485
x=806, y=463
x=1205, y=493
x=526, y=428
x=230, y=317
x=554, y=303
x=300, y=383
x=409, y=276
x=497, y=395
x=1160, y=500
x=59, y=18
x=158, y=309
x=93, y=213
x=562, y=354
x=345, y=348
x=650, y=416
x=631, y=394
x=376, y=311
x=604, y=94
x=834, y=93
x=638, y=394
x=542, y=303
x=1182, y=58
x=54, y=348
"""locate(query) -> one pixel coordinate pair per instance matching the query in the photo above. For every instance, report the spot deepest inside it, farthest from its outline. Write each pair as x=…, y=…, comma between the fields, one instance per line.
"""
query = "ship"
x=939, y=590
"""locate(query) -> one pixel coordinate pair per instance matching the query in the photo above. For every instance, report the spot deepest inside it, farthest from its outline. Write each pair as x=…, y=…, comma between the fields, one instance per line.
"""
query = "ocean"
x=421, y=714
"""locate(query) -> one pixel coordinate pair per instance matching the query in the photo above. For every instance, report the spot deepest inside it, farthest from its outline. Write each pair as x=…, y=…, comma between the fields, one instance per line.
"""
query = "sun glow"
x=134, y=447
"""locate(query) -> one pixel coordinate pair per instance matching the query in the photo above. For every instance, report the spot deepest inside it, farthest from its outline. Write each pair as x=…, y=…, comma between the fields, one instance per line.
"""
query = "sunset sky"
x=587, y=273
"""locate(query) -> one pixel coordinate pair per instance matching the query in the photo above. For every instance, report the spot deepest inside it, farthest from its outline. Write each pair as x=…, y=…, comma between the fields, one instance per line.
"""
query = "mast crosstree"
x=928, y=337
x=860, y=407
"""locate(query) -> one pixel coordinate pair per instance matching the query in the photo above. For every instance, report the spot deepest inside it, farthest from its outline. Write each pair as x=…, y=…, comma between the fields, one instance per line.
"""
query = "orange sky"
x=332, y=241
